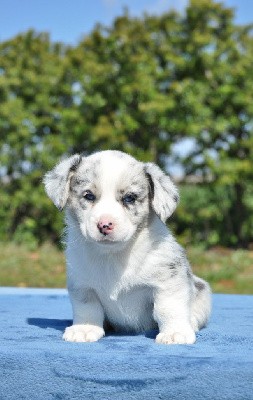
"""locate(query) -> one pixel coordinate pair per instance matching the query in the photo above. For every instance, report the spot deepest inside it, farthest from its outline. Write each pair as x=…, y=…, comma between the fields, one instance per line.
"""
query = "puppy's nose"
x=105, y=225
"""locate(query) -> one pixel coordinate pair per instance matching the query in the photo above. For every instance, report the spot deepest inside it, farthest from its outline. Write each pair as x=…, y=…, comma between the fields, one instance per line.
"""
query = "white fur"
x=136, y=277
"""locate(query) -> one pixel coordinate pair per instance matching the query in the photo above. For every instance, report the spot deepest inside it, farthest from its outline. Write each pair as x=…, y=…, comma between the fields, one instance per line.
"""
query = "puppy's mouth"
x=111, y=241
x=108, y=242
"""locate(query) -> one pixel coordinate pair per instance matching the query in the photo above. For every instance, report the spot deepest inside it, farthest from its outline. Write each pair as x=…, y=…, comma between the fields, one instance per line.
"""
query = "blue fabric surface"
x=36, y=364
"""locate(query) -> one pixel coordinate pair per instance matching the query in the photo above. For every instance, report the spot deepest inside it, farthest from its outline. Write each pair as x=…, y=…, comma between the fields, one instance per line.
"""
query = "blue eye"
x=88, y=195
x=129, y=198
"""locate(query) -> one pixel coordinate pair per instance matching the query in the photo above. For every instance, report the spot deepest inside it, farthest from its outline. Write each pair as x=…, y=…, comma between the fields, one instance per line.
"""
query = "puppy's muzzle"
x=105, y=225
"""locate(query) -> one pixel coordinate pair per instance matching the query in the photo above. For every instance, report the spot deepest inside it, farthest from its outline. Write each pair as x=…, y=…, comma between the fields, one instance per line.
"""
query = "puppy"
x=124, y=268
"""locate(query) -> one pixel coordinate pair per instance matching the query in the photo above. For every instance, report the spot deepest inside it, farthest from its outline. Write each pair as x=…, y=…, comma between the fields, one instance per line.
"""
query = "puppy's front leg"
x=88, y=317
x=172, y=313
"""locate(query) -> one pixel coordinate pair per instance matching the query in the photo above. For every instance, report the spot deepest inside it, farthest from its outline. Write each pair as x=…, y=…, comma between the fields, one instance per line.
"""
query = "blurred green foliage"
x=141, y=86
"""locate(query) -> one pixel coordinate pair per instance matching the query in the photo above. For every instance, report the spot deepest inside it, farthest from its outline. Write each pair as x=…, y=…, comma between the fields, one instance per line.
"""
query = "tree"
x=120, y=102
x=219, y=71
x=34, y=96
x=141, y=86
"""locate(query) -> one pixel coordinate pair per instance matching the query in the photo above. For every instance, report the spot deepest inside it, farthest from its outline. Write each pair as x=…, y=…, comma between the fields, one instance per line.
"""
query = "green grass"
x=43, y=267
x=228, y=271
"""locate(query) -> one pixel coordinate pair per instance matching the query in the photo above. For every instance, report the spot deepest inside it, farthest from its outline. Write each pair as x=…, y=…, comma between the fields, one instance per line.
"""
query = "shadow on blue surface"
x=44, y=323
x=62, y=324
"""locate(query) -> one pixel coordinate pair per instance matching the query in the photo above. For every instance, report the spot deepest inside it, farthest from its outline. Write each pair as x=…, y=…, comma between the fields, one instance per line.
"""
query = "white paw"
x=83, y=333
x=182, y=336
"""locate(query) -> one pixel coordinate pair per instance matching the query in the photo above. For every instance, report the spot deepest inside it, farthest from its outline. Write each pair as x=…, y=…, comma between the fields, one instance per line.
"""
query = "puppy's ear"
x=57, y=180
x=164, y=194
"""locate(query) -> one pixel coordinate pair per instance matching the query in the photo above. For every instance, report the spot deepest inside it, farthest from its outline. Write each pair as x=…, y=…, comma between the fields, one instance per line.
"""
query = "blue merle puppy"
x=124, y=267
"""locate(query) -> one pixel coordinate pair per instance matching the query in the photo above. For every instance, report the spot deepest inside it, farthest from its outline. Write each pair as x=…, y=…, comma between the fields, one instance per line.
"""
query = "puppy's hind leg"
x=201, y=306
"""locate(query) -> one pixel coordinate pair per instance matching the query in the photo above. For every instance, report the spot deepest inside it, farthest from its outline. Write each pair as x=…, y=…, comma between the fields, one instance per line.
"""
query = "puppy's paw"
x=83, y=333
x=177, y=336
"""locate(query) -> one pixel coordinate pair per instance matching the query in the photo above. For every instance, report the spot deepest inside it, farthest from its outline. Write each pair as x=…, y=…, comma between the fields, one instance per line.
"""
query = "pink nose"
x=105, y=225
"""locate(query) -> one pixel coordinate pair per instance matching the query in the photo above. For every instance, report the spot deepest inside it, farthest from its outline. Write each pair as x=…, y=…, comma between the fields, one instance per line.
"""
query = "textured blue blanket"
x=36, y=364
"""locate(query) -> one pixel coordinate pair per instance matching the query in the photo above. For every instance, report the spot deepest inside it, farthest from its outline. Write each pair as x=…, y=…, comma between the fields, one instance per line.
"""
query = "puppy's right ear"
x=57, y=180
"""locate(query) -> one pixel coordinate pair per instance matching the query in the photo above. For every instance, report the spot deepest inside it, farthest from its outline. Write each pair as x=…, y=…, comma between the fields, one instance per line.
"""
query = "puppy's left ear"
x=164, y=194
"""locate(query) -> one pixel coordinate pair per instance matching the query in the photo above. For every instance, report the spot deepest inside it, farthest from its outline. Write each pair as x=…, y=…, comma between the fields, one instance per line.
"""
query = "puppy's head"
x=111, y=194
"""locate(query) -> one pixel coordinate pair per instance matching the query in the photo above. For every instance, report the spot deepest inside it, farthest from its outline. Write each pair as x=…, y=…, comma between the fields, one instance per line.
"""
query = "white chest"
x=126, y=300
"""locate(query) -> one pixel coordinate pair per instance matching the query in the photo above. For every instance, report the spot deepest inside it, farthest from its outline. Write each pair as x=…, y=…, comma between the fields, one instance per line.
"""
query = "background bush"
x=141, y=86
